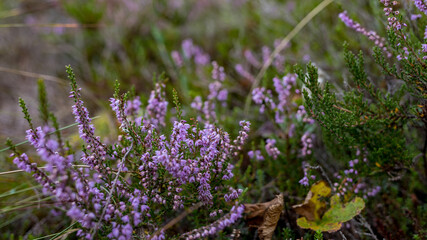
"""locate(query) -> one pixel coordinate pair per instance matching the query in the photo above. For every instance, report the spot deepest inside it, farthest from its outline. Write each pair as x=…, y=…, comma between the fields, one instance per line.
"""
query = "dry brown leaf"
x=265, y=216
x=306, y=208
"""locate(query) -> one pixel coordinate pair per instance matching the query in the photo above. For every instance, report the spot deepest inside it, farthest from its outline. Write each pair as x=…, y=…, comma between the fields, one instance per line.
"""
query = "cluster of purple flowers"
x=190, y=51
x=372, y=35
x=305, y=181
x=421, y=5
x=278, y=62
x=283, y=105
x=271, y=149
x=217, y=92
x=22, y=162
x=393, y=21
x=350, y=182
x=307, y=144
x=133, y=107
x=243, y=72
x=145, y=171
x=157, y=106
x=287, y=114
x=256, y=155
x=235, y=214
x=263, y=97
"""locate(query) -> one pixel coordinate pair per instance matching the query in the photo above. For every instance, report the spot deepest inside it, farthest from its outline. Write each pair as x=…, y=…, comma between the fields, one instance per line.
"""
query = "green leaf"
x=335, y=216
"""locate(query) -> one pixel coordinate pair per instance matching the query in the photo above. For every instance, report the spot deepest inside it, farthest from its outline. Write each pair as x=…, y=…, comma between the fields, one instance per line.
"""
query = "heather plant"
x=377, y=132
x=130, y=187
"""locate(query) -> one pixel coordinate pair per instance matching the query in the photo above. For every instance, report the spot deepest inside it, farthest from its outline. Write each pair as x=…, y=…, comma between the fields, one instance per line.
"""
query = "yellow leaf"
x=337, y=214
x=314, y=204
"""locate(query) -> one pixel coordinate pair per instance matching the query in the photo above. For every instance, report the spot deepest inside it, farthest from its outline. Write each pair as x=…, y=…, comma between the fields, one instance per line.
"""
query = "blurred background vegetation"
x=132, y=41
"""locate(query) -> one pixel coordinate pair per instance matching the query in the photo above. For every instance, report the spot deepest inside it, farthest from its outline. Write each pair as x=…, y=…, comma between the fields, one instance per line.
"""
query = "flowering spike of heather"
x=244, y=73
x=24, y=163
x=194, y=52
x=263, y=97
x=187, y=48
x=215, y=89
x=283, y=88
x=86, y=129
x=305, y=180
x=176, y=57
x=392, y=19
x=302, y=115
x=271, y=149
x=217, y=92
x=373, y=36
x=48, y=149
x=218, y=72
x=307, y=144
x=256, y=155
x=116, y=106
x=132, y=107
x=157, y=106
x=212, y=229
x=243, y=135
x=251, y=58
x=421, y=5
x=266, y=52
x=197, y=103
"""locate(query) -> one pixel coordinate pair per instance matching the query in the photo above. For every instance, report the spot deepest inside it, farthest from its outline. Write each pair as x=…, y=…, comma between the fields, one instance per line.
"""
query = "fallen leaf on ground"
x=314, y=204
x=333, y=219
x=264, y=216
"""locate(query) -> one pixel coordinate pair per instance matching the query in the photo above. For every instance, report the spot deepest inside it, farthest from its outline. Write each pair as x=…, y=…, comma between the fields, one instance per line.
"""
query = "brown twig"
x=95, y=229
x=177, y=219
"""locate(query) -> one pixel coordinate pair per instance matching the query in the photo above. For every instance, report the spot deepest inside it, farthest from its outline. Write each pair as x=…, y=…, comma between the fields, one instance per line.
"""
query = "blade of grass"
x=4, y=224
x=282, y=45
x=14, y=191
x=51, y=25
x=18, y=171
x=54, y=235
x=50, y=78
x=35, y=203
x=34, y=75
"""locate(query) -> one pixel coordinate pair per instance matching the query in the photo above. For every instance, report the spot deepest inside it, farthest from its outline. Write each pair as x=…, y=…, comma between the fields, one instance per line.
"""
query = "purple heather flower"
x=251, y=58
x=271, y=149
x=307, y=144
x=242, y=72
x=266, y=52
x=218, y=72
x=263, y=97
x=192, y=51
x=420, y=4
x=197, y=103
x=176, y=57
x=132, y=107
x=256, y=154
x=229, y=219
x=243, y=135
x=415, y=16
x=373, y=36
x=304, y=181
x=157, y=106
x=188, y=48
x=222, y=95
